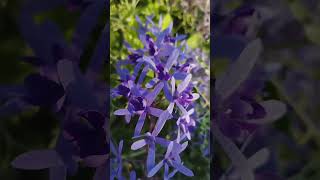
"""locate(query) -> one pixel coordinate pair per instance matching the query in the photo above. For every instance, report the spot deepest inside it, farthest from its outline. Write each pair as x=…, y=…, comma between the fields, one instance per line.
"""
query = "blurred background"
x=290, y=33
x=36, y=128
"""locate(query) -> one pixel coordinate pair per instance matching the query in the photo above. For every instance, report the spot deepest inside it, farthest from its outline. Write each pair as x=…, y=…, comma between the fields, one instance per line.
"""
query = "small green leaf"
x=195, y=40
x=313, y=33
x=219, y=66
x=233, y=4
x=150, y=74
x=299, y=11
x=166, y=21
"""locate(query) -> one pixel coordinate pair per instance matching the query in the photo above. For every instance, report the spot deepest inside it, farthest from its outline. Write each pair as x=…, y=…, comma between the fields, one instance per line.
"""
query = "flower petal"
x=151, y=156
x=259, y=158
x=149, y=61
x=166, y=171
x=165, y=50
x=163, y=142
x=195, y=96
x=184, y=146
x=167, y=92
x=170, y=107
x=155, y=169
x=274, y=110
x=161, y=37
x=133, y=175
x=42, y=91
x=172, y=59
x=180, y=75
x=155, y=111
x=152, y=83
x=136, y=69
x=127, y=118
x=238, y=159
x=122, y=112
x=182, y=109
x=140, y=123
x=172, y=173
x=191, y=111
x=143, y=74
x=181, y=168
x=165, y=115
x=184, y=84
x=173, y=86
x=153, y=95
x=37, y=159
x=239, y=70
x=169, y=149
x=86, y=24
x=138, y=144
x=66, y=72
x=95, y=160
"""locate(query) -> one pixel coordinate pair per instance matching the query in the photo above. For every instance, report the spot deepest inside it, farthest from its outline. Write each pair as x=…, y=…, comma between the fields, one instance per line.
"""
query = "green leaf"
x=166, y=21
x=313, y=33
x=150, y=74
x=299, y=11
x=220, y=65
x=195, y=40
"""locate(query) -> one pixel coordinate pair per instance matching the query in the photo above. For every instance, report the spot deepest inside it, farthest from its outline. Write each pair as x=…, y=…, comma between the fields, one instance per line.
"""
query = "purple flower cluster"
x=170, y=62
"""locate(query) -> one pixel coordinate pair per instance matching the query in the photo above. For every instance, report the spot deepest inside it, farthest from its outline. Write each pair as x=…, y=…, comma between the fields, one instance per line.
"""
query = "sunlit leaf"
x=166, y=21
x=313, y=33
x=195, y=40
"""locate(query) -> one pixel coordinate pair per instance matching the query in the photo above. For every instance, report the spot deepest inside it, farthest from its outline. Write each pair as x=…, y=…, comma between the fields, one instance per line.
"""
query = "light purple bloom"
x=150, y=140
x=186, y=123
x=141, y=106
x=172, y=159
x=116, y=171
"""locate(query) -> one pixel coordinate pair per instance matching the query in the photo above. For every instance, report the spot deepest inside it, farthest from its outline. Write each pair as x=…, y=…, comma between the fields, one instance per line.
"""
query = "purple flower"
x=141, y=106
x=172, y=159
x=41, y=91
x=83, y=133
x=153, y=49
x=182, y=95
x=163, y=75
x=186, y=123
x=122, y=90
x=117, y=163
x=116, y=171
x=134, y=57
x=237, y=111
x=151, y=140
x=242, y=22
